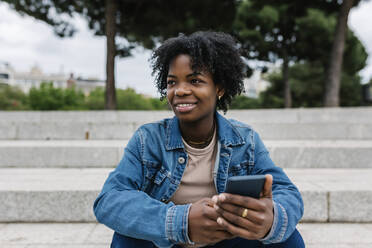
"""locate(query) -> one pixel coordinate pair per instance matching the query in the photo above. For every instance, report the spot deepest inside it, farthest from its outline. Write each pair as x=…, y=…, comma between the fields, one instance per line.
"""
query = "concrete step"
x=118, y=131
x=107, y=153
x=295, y=115
x=92, y=235
x=336, y=235
x=334, y=123
x=67, y=195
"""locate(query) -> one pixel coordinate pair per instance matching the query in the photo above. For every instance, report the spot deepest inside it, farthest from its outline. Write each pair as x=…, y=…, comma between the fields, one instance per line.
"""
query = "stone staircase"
x=53, y=165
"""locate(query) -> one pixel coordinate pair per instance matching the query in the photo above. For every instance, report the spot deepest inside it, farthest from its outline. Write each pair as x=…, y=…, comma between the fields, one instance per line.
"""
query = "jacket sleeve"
x=123, y=207
x=287, y=200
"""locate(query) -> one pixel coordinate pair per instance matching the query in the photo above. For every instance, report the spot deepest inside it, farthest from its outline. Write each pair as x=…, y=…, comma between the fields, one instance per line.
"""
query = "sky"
x=25, y=42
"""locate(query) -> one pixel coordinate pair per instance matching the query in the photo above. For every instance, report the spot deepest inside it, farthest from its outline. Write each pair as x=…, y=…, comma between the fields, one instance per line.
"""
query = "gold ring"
x=245, y=213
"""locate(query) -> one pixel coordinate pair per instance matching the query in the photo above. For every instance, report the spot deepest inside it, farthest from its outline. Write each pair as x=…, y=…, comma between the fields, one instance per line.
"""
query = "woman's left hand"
x=259, y=214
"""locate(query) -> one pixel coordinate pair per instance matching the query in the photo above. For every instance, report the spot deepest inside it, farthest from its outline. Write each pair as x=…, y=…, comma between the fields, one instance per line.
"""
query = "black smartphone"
x=246, y=185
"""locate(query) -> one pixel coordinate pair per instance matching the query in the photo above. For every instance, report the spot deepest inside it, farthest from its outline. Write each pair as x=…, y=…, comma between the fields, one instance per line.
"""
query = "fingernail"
x=215, y=199
x=222, y=197
x=219, y=220
x=216, y=207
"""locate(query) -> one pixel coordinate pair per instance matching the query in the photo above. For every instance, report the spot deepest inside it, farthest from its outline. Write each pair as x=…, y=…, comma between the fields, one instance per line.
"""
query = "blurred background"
x=307, y=59
x=92, y=55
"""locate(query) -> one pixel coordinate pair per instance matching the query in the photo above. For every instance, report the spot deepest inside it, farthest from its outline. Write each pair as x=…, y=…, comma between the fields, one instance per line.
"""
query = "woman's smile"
x=185, y=107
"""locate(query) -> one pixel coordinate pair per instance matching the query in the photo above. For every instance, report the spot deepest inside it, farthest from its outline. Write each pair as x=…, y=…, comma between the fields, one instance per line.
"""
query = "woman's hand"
x=203, y=227
x=258, y=218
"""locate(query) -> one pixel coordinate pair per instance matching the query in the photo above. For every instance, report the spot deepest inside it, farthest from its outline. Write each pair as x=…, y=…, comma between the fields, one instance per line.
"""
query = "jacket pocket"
x=240, y=169
x=155, y=177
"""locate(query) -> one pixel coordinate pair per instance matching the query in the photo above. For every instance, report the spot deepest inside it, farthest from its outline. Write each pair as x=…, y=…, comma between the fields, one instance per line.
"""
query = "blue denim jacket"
x=135, y=198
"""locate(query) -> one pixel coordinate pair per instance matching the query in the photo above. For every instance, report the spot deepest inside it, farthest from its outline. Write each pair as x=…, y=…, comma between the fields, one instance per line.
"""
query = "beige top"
x=197, y=180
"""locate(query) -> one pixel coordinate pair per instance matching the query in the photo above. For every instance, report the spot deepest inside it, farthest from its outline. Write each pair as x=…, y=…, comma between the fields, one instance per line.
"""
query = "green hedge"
x=47, y=97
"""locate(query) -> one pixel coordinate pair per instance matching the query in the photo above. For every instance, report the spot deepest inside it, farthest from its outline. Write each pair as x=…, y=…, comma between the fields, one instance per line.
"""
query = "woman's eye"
x=171, y=82
x=195, y=81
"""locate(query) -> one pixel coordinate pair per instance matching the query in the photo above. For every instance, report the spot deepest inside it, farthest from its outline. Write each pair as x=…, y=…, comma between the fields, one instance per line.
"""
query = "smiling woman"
x=168, y=190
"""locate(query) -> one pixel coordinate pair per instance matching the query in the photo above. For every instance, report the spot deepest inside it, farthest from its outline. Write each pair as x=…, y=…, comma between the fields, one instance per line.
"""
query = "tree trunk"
x=332, y=84
x=287, y=87
x=110, y=15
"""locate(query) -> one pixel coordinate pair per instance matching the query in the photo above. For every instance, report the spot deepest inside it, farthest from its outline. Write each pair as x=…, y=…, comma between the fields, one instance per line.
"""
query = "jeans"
x=294, y=241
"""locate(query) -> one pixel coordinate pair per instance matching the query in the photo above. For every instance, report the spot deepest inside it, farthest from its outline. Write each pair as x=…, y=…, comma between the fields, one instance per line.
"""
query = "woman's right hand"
x=203, y=227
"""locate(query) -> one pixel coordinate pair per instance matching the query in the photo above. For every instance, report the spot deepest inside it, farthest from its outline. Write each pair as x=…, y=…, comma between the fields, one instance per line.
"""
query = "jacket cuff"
x=176, y=226
x=279, y=226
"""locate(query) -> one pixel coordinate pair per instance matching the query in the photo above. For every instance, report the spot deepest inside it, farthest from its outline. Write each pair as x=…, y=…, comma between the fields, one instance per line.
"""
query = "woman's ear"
x=220, y=92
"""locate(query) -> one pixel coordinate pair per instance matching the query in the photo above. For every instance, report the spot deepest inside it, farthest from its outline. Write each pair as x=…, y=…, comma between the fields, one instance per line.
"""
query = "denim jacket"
x=135, y=198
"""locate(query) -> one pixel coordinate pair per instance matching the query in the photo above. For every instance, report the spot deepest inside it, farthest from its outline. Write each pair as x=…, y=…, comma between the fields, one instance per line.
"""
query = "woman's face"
x=191, y=94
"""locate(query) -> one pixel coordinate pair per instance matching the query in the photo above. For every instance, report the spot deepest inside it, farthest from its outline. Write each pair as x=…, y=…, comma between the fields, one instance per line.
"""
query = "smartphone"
x=246, y=185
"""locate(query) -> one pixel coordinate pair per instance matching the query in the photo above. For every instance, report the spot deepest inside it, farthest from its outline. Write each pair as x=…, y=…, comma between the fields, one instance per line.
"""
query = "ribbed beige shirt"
x=197, y=180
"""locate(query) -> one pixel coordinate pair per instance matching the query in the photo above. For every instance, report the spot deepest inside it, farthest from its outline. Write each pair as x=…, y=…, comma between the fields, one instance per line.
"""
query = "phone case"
x=246, y=185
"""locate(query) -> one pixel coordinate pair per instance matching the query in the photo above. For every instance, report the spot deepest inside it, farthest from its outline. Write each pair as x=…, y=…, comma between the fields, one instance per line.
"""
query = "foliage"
x=56, y=13
x=158, y=104
x=128, y=99
x=268, y=31
x=316, y=47
x=136, y=23
x=244, y=102
x=49, y=98
x=96, y=99
x=12, y=98
x=307, y=87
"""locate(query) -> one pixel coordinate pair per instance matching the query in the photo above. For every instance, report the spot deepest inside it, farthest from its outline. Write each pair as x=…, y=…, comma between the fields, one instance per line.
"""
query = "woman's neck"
x=198, y=134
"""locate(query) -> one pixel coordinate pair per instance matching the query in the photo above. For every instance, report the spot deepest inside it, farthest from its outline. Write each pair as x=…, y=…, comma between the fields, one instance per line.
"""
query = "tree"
x=146, y=23
x=12, y=98
x=47, y=97
x=268, y=31
x=43, y=11
x=136, y=22
x=332, y=82
x=244, y=102
x=307, y=77
x=308, y=88
x=110, y=27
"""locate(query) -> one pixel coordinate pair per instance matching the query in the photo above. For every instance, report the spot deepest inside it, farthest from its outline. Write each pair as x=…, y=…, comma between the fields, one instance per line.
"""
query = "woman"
x=167, y=191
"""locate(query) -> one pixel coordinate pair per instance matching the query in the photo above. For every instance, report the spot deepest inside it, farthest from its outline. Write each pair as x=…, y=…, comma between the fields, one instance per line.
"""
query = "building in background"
x=26, y=80
x=255, y=85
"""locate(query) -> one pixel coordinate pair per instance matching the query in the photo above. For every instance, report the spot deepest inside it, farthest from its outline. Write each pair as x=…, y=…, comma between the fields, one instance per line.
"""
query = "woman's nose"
x=182, y=90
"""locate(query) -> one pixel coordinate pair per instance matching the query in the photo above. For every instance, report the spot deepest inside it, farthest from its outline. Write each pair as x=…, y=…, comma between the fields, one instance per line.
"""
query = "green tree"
x=73, y=99
x=135, y=22
x=159, y=104
x=318, y=46
x=268, y=31
x=244, y=102
x=96, y=99
x=308, y=88
x=12, y=98
x=128, y=99
x=146, y=23
x=48, y=97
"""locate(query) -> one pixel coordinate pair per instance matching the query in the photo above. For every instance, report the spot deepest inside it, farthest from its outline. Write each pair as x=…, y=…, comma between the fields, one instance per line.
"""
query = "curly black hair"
x=214, y=52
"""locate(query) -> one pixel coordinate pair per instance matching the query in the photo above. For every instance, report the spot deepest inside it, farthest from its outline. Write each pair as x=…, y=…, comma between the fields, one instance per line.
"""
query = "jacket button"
x=181, y=160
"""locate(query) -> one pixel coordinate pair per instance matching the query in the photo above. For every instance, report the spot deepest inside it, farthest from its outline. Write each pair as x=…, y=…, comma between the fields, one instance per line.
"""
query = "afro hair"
x=214, y=52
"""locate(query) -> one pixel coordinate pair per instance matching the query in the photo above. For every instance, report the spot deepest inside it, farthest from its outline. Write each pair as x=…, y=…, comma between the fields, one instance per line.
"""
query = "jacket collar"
x=228, y=135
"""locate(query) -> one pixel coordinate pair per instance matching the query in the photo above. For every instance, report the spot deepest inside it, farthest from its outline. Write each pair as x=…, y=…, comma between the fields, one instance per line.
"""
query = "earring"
x=219, y=97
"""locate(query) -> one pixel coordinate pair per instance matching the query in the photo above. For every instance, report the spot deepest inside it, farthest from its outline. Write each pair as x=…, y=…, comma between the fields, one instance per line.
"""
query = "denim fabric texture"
x=294, y=241
x=135, y=202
